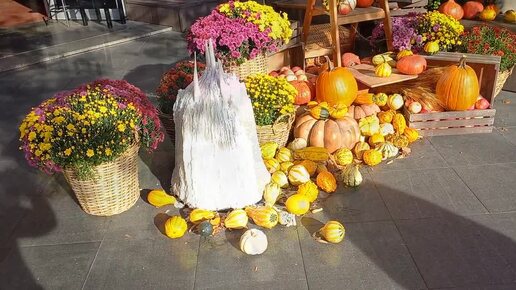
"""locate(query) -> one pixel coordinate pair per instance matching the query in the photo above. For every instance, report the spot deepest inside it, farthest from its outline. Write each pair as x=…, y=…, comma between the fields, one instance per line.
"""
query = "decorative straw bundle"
x=426, y=80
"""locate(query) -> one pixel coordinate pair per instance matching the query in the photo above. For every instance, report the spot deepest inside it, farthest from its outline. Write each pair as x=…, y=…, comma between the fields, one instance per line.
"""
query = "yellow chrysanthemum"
x=90, y=153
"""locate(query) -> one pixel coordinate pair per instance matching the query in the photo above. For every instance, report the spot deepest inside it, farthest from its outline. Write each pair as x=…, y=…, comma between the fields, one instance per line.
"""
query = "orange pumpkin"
x=350, y=59
x=362, y=111
x=457, y=88
x=329, y=133
x=364, y=3
x=411, y=65
x=304, y=94
x=326, y=181
x=471, y=9
x=336, y=86
x=452, y=9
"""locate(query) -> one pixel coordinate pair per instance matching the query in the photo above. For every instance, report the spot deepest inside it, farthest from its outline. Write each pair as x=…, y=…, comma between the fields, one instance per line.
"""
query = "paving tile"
x=281, y=265
x=494, y=185
x=359, y=204
x=372, y=256
x=47, y=267
x=475, y=149
x=505, y=105
x=509, y=133
x=463, y=252
x=426, y=193
x=487, y=287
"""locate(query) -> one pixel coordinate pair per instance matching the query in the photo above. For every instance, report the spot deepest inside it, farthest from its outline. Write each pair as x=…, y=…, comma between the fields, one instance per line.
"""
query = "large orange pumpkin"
x=329, y=133
x=411, y=65
x=304, y=94
x=457, y=88
x=452, y=9
x=471, y=9
x=336, y=86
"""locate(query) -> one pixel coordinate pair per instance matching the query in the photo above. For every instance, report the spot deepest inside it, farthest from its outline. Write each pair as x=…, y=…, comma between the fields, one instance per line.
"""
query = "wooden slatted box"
x=460, y=122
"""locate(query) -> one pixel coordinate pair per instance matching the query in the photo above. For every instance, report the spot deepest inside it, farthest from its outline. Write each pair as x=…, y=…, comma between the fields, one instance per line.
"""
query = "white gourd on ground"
x=218, y=162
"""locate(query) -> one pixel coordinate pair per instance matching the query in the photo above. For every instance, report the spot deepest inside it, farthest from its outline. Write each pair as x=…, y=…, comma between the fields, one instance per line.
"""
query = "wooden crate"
x=291, y=54
x=460, y=122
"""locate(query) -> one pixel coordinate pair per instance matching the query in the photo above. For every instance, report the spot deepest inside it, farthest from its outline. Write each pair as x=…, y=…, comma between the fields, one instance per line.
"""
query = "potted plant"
x=92, y=134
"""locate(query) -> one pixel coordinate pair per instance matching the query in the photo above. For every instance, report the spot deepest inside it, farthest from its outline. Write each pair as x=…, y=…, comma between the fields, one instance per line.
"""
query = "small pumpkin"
x=415, y=107
x=372, y=157
x=364, y=99
x=297, y=204
x=431, y=47
x=271, y=192
x=298, y=143
x=411, y=65
x=351, y=176
x=383, y=70
x=452, y=9
x=338, y=112
x=360, y=148
x=457, y=87
x=403, y=53
x=320, y=112
x=364, y=3
x=412, y=134
x=310, y=166
x=198, y=215
x=387, y=57
x=336, y=86
x=380, y=99
x=472, y=9
x=268, y=150
x=285, y=166
x=159, y=198
x=236, y=219
x=280, y=178
x=343, y=156
x=361, y=111
x=333, y=232
x=320, y=168
x=175, y=227
x=309, y=189
x=350, y=59
x=284, y=154
x=253, y=242
x=399, y=141
x=488, y=14
x=399, y=123
x=326, y=181
x=304, y=94
x=386, y=116
x=263, y=216
x=298, y=175
x=510, y=16
x=272, y=165
x=386, y=129
x=205, y=228
x=369, y=125
x=395, y=102
x=388, y=150
x=377, y=138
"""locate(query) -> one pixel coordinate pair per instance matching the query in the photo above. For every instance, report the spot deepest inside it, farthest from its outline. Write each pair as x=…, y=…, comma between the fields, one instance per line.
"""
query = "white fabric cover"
x=218, y=163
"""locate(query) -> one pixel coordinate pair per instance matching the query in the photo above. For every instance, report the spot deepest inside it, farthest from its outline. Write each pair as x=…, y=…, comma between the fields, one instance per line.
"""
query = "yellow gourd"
x=280, y=178
x=310, y=166
x=372, y=157
x=317, y=154
x=369, y=125
x=271, y=192
x=285, y=166
x=343, y=156
x=488, y=14
x=175, y=227
x=339, y=111
x=198, y=215
x=298, y=143
x=411, y=134
x=384, y=58
x=395, y=101
x=404, y=53
x=236, y=219
x=431, y=47
x=383, y=70
x=284, y=155
x=376, y=139
x=309, y=189
x=297, y=204
x=159, y=198
x=386, y=116
x=380, y=99
x=268, y=150
x=326, y=181
x=320, y=112
x=399, y=123
x=272, y=165
x=399, y=141
x=360, y=148
x=320, y=168
x=298, y=175
x=333, y=232
x=263, y=216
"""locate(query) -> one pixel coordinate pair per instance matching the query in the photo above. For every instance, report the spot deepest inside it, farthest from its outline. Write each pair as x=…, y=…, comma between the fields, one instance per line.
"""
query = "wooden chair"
x=336, y=21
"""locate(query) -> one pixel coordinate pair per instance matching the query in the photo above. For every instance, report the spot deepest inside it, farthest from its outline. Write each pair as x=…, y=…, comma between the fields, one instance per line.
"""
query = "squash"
x=388, y=150
x=415, y=107
x=253, y=242
x=205, y=228
x=215, y=221
x=431, y=47
x=298, y=143
x=330, y=134
x=380, y=99
x=343, y=156
x=386, y=116
x=338, y=112
x=471, y=9
x=298, y=175
x=383, y=70
x=159, y=198
x=395, y=102
x=403, y=53
x=510, y=16
x=386, y=129
x=285, y=166
x=351, y=176
x=284, y=154
x=333, y=232
x=272, y=165
x=326, y=181
x=411, y=65
x=364, y=3
x=271, y=192
x=360, y=148
x=320, y=112
x=198, y=215
x=387, y=57
x=399, y=141
x=268, y=149
x=175, y=227
x=236, y=219
x=362, y=111
x=488, y=14
x=364, y=99
x=399, y=123
x=309, y=189
x=336, y=86
x=369, y=125
x=280, y=178
x=458, y=88
x=297, y=204
x=372, y=157
x=317, y=154
x=376, y=139
x=304, y=94
x=452, y=9
x=412, y=134
x=350, y=59
x=310, y=166
x=263, y=216
x=320, y=168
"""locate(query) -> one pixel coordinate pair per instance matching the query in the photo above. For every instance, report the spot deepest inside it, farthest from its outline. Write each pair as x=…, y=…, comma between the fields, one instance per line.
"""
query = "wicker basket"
x=253, y=66
x=320, y=42
x=277, y=132
x=502, y=78
x=113, y=190
x=168, y=123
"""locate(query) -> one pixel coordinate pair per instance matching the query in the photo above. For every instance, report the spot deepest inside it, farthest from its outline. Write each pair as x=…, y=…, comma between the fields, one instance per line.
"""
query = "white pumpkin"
x=280, y=178
x=298, y=143
x=386, y=129
x=271, y=193
x=253, y=242
x=387, y=149
x=395, y=101
x=351, y=176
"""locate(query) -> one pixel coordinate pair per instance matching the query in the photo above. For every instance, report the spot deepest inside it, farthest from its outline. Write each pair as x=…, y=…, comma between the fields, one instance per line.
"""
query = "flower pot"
x=502, y=78
x=253, y=66
x=114, y=187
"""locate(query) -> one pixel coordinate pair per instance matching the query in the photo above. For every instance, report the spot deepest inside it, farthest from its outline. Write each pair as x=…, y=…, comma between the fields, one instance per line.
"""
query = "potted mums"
x=92, y=134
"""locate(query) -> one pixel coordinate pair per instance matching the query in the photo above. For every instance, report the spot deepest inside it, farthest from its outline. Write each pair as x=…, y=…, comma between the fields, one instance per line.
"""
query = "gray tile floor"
x=444, y=218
